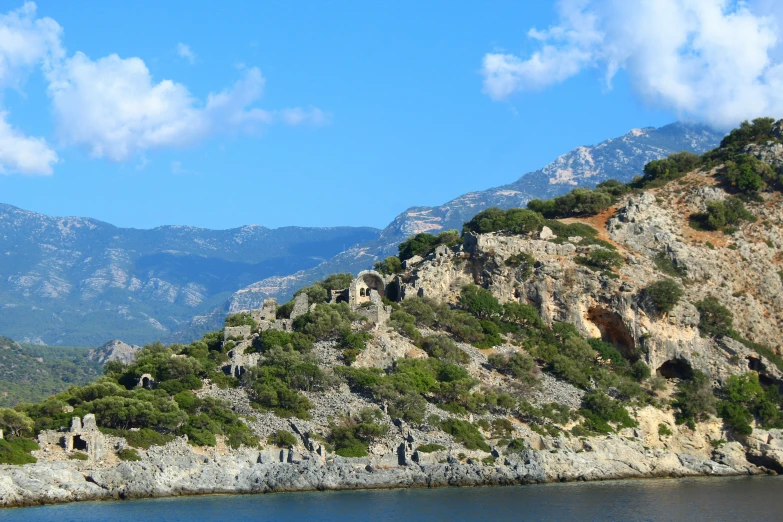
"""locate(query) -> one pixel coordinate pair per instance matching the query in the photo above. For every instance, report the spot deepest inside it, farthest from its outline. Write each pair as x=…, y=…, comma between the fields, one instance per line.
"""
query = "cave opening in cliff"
x=614, y=331
x=675, y=369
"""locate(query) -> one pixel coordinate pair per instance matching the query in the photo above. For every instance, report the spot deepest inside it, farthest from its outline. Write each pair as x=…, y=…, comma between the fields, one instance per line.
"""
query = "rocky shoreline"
x=177, y=470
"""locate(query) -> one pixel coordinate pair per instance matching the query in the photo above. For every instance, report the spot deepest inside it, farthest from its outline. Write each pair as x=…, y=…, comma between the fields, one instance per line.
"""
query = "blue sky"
x=339, y=113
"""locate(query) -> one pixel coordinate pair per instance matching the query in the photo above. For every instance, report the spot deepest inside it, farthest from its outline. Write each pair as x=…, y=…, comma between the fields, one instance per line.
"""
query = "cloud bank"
x=112, y=107
x=714, y=61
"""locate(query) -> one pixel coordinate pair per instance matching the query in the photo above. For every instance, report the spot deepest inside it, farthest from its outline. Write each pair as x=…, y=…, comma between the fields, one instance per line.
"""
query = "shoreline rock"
x=177, y=470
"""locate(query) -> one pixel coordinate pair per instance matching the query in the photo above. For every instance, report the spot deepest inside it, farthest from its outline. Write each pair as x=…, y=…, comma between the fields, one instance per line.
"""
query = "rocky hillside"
x=30, y=373
x=620, y=158
x=635, y=333
x=79, y=281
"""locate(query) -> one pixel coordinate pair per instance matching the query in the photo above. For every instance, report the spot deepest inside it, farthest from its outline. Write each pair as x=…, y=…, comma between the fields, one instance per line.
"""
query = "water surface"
x=744, y=498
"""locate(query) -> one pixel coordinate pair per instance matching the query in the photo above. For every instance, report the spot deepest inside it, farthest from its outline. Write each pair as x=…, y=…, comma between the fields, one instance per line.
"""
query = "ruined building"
x=83, y=435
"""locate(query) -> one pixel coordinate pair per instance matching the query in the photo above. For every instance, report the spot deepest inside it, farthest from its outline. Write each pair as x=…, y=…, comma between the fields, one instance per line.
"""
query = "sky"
x=219, y=115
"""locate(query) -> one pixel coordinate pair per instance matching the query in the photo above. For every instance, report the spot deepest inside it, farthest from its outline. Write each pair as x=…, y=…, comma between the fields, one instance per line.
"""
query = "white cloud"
x=25, y=42
x=709, y=60
x=112, y=106
x=185, y=52
x=23, y=154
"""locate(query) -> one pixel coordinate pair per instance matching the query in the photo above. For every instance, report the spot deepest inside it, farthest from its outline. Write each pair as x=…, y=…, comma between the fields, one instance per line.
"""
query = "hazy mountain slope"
x=620, y=158
x=30, y=373
x=79, y=281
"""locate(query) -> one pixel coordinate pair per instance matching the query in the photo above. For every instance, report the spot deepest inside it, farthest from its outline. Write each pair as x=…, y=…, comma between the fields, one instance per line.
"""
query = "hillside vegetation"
x=589, y=314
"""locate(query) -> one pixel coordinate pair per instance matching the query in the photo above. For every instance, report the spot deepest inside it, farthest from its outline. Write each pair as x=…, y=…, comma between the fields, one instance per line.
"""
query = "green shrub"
x=405, y=323
x=351, y=435
x=465, y=433
x=694, y=400
x=390, y=265
x=640, y=371
x=662, y=295
x=443, y=348
x=601, y=259
x=241, y=319
x=78, y=455
x=722, y=214
x=515, y=221
x=326, y=321
x=410, y=407
x=578, y=202
x=423, y=244
x=516, y=446
x=667, y=266
x=519, y=365
x=143, y=438
x=430, y=448
x=282, y=439
x=664, y=430
x=479, y=302
x=129, y=455
x=659, y=172
x=599, y=410
x=714, y=319
x=16, y=451
x=524, y=262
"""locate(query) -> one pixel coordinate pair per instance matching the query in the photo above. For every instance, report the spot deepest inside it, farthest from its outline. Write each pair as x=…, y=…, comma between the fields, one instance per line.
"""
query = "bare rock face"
x=114, y=351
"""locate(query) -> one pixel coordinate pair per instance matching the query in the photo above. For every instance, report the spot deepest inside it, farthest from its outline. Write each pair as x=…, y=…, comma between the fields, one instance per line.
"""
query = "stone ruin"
x=83, y=435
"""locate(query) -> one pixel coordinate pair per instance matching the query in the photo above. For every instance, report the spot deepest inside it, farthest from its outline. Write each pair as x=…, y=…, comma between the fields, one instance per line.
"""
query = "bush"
x=524, y=262
x=430, y=448
x=410, y=407
x=479, y=302
x=664, y=430
x=667, y=266
x=129, y=455
x=326, y=321
x=748, y=174
x=423, y=244
x=578, y=202
x=143, y=438
x=601, y=259
x=390, y=265
x=351, y=435
x=443, y=348
x=694, y=400
x=282, y=439
x=714, y=319
x=640, y=371
x=241, y=319
x=493, y=219
x=599, y=410
x=722, y=214
x=662, y=295
x=744, y=398
x=519, y=365
x=78, y=455
x=659, y=172
x=16, y=451
x=465, y=433
x=516, y=446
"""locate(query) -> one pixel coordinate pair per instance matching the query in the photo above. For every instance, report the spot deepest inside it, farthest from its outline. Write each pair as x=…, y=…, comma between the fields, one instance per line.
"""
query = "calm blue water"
x=759, y=498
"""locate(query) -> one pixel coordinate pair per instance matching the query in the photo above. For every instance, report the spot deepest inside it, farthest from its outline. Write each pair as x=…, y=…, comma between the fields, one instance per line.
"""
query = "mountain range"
x=80, y=282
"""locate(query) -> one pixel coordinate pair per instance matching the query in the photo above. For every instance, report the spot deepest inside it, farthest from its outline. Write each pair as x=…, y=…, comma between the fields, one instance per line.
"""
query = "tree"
x=16, y=423
x=714, y=319
x=390, y=265
x=662, y=295
x=695, y=400
x=480, y=302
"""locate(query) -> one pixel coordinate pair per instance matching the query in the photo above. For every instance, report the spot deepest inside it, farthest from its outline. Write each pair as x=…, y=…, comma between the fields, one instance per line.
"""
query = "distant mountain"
x=79, y=281
x=620, y=158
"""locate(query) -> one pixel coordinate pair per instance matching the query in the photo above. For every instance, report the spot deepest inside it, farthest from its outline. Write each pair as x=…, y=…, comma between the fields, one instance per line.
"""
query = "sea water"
x=744, y=498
